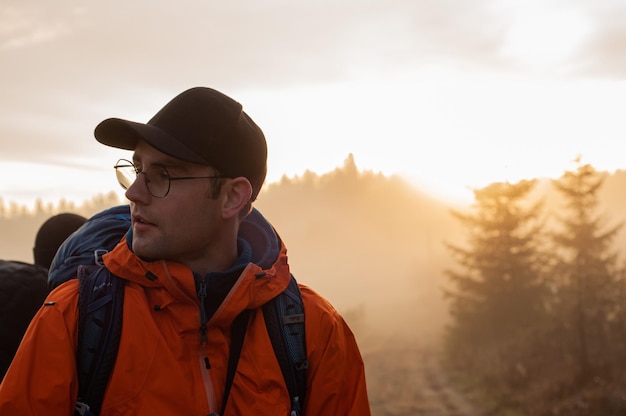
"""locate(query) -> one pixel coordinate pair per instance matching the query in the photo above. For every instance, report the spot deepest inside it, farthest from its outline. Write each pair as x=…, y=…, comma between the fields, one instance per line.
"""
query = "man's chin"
x=143, y=249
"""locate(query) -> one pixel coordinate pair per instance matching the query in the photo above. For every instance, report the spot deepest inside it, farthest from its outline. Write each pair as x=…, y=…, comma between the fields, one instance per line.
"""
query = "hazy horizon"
x=29, y=199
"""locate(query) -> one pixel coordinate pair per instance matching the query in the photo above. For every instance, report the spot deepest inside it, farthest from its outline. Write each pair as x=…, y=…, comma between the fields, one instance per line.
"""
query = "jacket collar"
x=263, y=277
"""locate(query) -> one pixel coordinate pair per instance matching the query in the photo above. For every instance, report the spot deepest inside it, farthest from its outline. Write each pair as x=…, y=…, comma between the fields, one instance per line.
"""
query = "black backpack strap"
x=238, y=334
x=284, y=319
x=100, y=306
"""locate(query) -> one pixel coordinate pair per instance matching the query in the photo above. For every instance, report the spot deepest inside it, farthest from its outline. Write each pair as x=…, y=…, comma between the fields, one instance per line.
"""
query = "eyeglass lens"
x=156, y=177
x=125, y=173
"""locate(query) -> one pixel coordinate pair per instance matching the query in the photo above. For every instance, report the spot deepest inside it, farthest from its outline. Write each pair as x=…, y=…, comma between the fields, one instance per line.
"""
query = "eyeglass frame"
x=170, y=178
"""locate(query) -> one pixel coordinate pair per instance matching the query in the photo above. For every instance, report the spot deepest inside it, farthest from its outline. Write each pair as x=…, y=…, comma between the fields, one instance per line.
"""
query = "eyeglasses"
x=158, y=179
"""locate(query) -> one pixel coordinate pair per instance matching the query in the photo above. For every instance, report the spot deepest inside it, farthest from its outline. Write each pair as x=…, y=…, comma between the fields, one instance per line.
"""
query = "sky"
x=450, y=94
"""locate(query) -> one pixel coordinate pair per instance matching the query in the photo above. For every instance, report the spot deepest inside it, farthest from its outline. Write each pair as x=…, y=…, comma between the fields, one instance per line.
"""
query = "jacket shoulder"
x=322, y=320
x=65, y=297
x=314, y=302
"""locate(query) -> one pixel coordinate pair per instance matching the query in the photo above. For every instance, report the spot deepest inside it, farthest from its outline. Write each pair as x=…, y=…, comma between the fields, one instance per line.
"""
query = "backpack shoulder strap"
x=100, y=306
x=238, y=334
x=284, y=319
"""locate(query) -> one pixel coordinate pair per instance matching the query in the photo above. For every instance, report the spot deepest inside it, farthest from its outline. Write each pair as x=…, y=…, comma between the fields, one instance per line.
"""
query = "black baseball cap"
x=200, y=125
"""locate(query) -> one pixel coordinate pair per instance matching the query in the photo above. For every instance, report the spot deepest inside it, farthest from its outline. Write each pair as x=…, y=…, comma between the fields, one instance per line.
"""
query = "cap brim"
x=125, y=134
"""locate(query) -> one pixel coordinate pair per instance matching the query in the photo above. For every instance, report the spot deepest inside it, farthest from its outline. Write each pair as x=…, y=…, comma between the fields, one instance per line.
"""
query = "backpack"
x=23, y=290
x=101, y=298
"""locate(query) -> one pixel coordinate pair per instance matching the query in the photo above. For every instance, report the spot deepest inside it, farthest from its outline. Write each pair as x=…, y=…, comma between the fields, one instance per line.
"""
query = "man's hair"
x=216, y=188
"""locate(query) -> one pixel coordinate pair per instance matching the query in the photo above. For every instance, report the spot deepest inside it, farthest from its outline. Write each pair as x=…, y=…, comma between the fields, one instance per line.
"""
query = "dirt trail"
x=404, y=379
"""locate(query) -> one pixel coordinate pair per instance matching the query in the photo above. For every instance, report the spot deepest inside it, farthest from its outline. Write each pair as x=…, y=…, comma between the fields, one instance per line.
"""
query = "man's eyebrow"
x=166, y=163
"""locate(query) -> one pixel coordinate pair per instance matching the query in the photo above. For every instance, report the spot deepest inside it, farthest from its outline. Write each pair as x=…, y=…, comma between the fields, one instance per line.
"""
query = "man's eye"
x=162, y=174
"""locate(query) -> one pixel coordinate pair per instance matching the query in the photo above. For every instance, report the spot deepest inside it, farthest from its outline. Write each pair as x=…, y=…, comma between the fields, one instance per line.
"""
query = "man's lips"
x=141, y=223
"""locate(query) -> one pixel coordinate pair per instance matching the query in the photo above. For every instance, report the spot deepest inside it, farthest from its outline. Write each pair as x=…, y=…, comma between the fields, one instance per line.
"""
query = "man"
x=24, y=286
x=197, y=166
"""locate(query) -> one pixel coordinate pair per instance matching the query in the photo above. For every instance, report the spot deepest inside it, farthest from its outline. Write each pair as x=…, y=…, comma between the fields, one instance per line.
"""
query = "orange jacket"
x=161, y=367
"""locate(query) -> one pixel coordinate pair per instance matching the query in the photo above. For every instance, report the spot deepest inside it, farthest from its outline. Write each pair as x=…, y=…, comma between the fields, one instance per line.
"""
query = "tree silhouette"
x=586, y=272
x=499, y=294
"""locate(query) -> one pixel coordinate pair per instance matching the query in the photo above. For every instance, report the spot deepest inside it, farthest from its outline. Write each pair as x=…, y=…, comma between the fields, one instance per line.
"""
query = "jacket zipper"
x=202, y=293
x=205, y=365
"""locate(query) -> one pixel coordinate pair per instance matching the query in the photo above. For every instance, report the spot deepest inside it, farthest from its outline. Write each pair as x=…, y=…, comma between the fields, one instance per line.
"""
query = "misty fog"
x=373, y=245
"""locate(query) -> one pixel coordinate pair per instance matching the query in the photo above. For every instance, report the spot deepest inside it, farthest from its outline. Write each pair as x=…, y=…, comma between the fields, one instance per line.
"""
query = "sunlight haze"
x=449, y=96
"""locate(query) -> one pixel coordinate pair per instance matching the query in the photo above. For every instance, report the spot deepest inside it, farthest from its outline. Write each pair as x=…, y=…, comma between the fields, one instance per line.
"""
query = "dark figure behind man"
x=24, y=286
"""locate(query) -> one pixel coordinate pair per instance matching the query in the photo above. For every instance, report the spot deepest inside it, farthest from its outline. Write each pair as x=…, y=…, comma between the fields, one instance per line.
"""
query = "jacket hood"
x=262, y=237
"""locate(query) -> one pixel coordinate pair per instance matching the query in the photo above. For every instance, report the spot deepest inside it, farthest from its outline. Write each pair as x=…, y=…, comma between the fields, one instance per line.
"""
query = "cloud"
x=603, y=54
x=68, y=63
x=277, y=43
x=22, y=26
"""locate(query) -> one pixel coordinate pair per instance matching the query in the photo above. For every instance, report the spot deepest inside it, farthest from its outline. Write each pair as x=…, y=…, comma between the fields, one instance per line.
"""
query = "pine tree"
x=586, y=273
x=499, y=293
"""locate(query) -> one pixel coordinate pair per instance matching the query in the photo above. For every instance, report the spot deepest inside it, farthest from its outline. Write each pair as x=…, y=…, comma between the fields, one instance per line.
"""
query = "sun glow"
x=447, y=132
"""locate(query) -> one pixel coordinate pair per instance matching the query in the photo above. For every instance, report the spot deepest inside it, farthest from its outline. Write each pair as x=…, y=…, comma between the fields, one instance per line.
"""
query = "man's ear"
x=238, y=193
